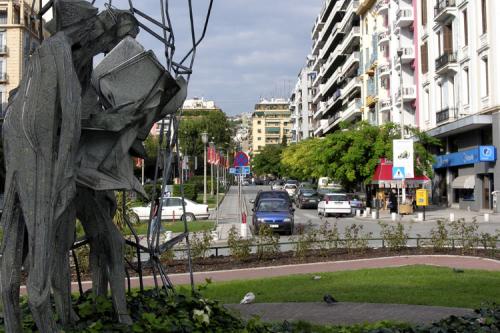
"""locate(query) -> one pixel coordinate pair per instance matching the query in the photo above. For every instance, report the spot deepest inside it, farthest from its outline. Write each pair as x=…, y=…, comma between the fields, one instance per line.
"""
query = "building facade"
x=18, y=34
x=270, y=123
x=336, y=41
x=301, y=106
x=459, y=100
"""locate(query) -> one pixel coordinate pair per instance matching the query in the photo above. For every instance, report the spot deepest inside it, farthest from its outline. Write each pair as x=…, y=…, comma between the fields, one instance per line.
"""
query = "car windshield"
x=290, y=186
x=308, y=193
x=273, y=206
x=337, y=197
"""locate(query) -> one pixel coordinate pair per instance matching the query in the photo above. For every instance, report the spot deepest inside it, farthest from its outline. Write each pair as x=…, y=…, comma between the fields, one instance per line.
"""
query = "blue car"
x=276, y=213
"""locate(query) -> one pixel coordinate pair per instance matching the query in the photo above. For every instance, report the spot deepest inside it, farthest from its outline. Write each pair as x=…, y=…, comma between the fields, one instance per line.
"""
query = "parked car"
x=292, y=181
x=355, y=202
x=306, y=198
x=271, y=195
x=334, y=203
x=290, y=189
x=276, y=213
x=277, y=185
x=172, y=209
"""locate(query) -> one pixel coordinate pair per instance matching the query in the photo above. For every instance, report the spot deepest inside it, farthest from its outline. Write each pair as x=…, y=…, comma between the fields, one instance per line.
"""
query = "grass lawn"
x=421, y=285
x=178, y=226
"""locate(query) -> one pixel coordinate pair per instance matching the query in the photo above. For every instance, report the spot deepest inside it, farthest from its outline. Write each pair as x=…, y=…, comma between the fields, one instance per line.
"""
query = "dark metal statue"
x=70, y=133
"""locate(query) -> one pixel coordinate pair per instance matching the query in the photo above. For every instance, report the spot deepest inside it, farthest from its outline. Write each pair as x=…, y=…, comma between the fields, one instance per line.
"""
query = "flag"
x=210, y=158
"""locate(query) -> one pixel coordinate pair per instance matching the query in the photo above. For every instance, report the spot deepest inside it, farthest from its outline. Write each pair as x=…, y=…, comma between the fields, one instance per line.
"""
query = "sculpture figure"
x=70, y=133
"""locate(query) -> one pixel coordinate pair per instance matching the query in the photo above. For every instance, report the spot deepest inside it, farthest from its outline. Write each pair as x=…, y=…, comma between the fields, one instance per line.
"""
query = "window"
x=447, y=39
x=427, y=106
x=439, y=43
x=484, y=16
x=258, y=122
x=424, y=12
x=259, y=138
x=485, y=83
x=466, y=87
x=424, y=54
x=172, y=202
x=259, y=130
x=466, y=29
x=3, y=17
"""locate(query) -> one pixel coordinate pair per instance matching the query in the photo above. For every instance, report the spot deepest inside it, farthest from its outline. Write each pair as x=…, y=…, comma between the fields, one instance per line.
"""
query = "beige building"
x=270, y=123
x=18, y=33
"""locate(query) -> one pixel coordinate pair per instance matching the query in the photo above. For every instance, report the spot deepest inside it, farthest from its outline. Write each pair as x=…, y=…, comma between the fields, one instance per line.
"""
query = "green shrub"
x=190, y=191
x=239, y=247
x=305, y=240
x=354, y=238
x=200, y=244
x=439, y=236
x=465, y=234
x=395, y=237
x=268, y=243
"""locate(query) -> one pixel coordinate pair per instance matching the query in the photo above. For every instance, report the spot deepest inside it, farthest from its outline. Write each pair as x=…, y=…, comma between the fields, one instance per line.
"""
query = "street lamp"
x=204, y=139
x=401, y=115
x=211, y=144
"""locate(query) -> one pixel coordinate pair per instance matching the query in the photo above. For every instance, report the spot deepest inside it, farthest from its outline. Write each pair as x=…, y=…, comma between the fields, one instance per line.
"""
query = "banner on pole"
x=402, y=152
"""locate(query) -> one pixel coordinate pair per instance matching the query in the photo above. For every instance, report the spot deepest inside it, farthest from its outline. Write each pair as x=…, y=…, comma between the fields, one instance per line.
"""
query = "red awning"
x=383, y=176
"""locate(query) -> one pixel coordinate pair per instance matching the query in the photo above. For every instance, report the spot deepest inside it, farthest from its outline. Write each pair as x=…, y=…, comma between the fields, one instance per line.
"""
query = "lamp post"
x=211, y=144
x=204, y=139
x=401, y=116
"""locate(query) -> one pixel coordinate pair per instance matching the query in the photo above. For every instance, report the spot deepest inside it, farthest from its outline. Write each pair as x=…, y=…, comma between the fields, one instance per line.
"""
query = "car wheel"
x=189, y=217
x=133, y=218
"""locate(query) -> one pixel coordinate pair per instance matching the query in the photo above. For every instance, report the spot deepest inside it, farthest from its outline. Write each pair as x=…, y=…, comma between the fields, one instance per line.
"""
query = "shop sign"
x=402, y=156
x=469, y=156
x=422, y=197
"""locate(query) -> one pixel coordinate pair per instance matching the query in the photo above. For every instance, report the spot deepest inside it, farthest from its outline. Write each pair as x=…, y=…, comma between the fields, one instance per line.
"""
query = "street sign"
x=243, y=170
x=232, y=171
x=398, y=172
x=241, y=159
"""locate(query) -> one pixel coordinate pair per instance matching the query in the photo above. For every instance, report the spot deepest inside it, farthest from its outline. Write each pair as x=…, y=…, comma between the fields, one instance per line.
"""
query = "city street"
x=304, y=216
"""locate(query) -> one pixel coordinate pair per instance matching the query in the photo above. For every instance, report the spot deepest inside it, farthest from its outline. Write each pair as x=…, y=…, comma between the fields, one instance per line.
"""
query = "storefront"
x=468, y=175
x=382, y=183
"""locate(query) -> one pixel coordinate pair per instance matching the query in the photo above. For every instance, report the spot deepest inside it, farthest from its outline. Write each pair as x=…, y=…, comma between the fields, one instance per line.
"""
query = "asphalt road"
x=306, y=216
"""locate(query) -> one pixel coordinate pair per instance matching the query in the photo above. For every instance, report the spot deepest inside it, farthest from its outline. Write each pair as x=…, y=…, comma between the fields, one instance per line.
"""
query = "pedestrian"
x=393, y=202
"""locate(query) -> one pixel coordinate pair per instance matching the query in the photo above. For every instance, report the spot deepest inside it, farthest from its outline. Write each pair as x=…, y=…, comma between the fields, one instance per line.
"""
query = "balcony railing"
x=445, y=115
x=404, y=17
x=383, y=37
x=442, y=5
x=446, y=59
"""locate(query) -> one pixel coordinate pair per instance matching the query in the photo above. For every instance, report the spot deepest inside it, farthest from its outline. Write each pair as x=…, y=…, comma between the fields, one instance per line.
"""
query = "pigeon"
x=249, y=298
x=316, y=277
x=329, y=299
x=458, y=270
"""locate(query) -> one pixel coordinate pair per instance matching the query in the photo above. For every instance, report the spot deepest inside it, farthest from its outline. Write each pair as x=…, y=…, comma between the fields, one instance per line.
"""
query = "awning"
x=383, y=176
x=464, y=182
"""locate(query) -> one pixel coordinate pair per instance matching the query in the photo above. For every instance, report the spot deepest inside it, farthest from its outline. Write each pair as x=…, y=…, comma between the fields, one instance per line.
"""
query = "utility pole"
x=401, y=117
x=204, y=139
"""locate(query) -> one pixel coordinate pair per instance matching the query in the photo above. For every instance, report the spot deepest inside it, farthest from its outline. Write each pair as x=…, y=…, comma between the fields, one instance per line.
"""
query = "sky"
x=253, y=48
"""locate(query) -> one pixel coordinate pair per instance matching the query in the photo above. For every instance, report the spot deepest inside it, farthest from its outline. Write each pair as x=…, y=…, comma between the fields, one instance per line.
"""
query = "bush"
x=239, y=247
x=330, y=237
x=190, y=191
x=355, y=239
x=439, y=236
x=394, y=237
x=465, y=234
x=305, y=240
x=268, y=243
x=200, y=244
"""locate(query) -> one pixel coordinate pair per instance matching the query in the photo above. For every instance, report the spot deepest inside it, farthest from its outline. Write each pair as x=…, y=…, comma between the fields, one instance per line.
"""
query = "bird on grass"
x=329, y=299
x=458, y=270
x=316, y=277
x=249, y=298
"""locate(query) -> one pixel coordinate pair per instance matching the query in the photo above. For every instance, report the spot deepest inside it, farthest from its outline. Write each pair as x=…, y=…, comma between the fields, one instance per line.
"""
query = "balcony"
x=382, y=7
x=350, y=62
x=351, y=40
x=447, y=63
x=409, y=94
x=385, y=105
x=352, y=85
x=384, y=70
x=404, y=17
x=444, y=11
x=446, y=115
x=383, y=38
x=353, y=110
x=407, y=54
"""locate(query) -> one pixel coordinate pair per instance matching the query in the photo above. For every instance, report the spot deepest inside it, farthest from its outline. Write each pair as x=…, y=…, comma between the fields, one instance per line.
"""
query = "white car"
x=277, y=186
x=290, y=189
x=334, y=203
x=172, y=210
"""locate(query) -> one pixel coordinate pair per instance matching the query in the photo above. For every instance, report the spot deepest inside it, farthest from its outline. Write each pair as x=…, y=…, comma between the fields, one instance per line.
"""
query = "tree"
x=268, y=161
x=351, y=155
x=284, y=141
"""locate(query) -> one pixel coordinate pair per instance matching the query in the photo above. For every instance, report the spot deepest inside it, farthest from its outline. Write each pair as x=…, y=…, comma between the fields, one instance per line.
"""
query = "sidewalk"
x=229, y=215
x=436, y=213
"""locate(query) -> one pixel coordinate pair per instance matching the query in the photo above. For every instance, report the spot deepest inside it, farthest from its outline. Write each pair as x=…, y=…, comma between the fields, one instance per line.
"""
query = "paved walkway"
x=229, y=215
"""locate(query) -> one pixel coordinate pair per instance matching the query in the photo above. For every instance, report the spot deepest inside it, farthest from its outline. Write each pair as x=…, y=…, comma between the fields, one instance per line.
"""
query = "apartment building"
x=301, y=106
x=459, y=97
x=18, y=34
x=336, y=40
x=270, y=123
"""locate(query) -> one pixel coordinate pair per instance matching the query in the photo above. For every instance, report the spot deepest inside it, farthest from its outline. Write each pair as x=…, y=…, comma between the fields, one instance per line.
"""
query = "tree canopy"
x=351, y=155
x=268, y=160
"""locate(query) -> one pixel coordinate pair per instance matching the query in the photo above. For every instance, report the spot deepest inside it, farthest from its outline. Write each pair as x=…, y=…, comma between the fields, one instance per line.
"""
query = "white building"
x=301, y=105
x=336, y=38
x=199, y=103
